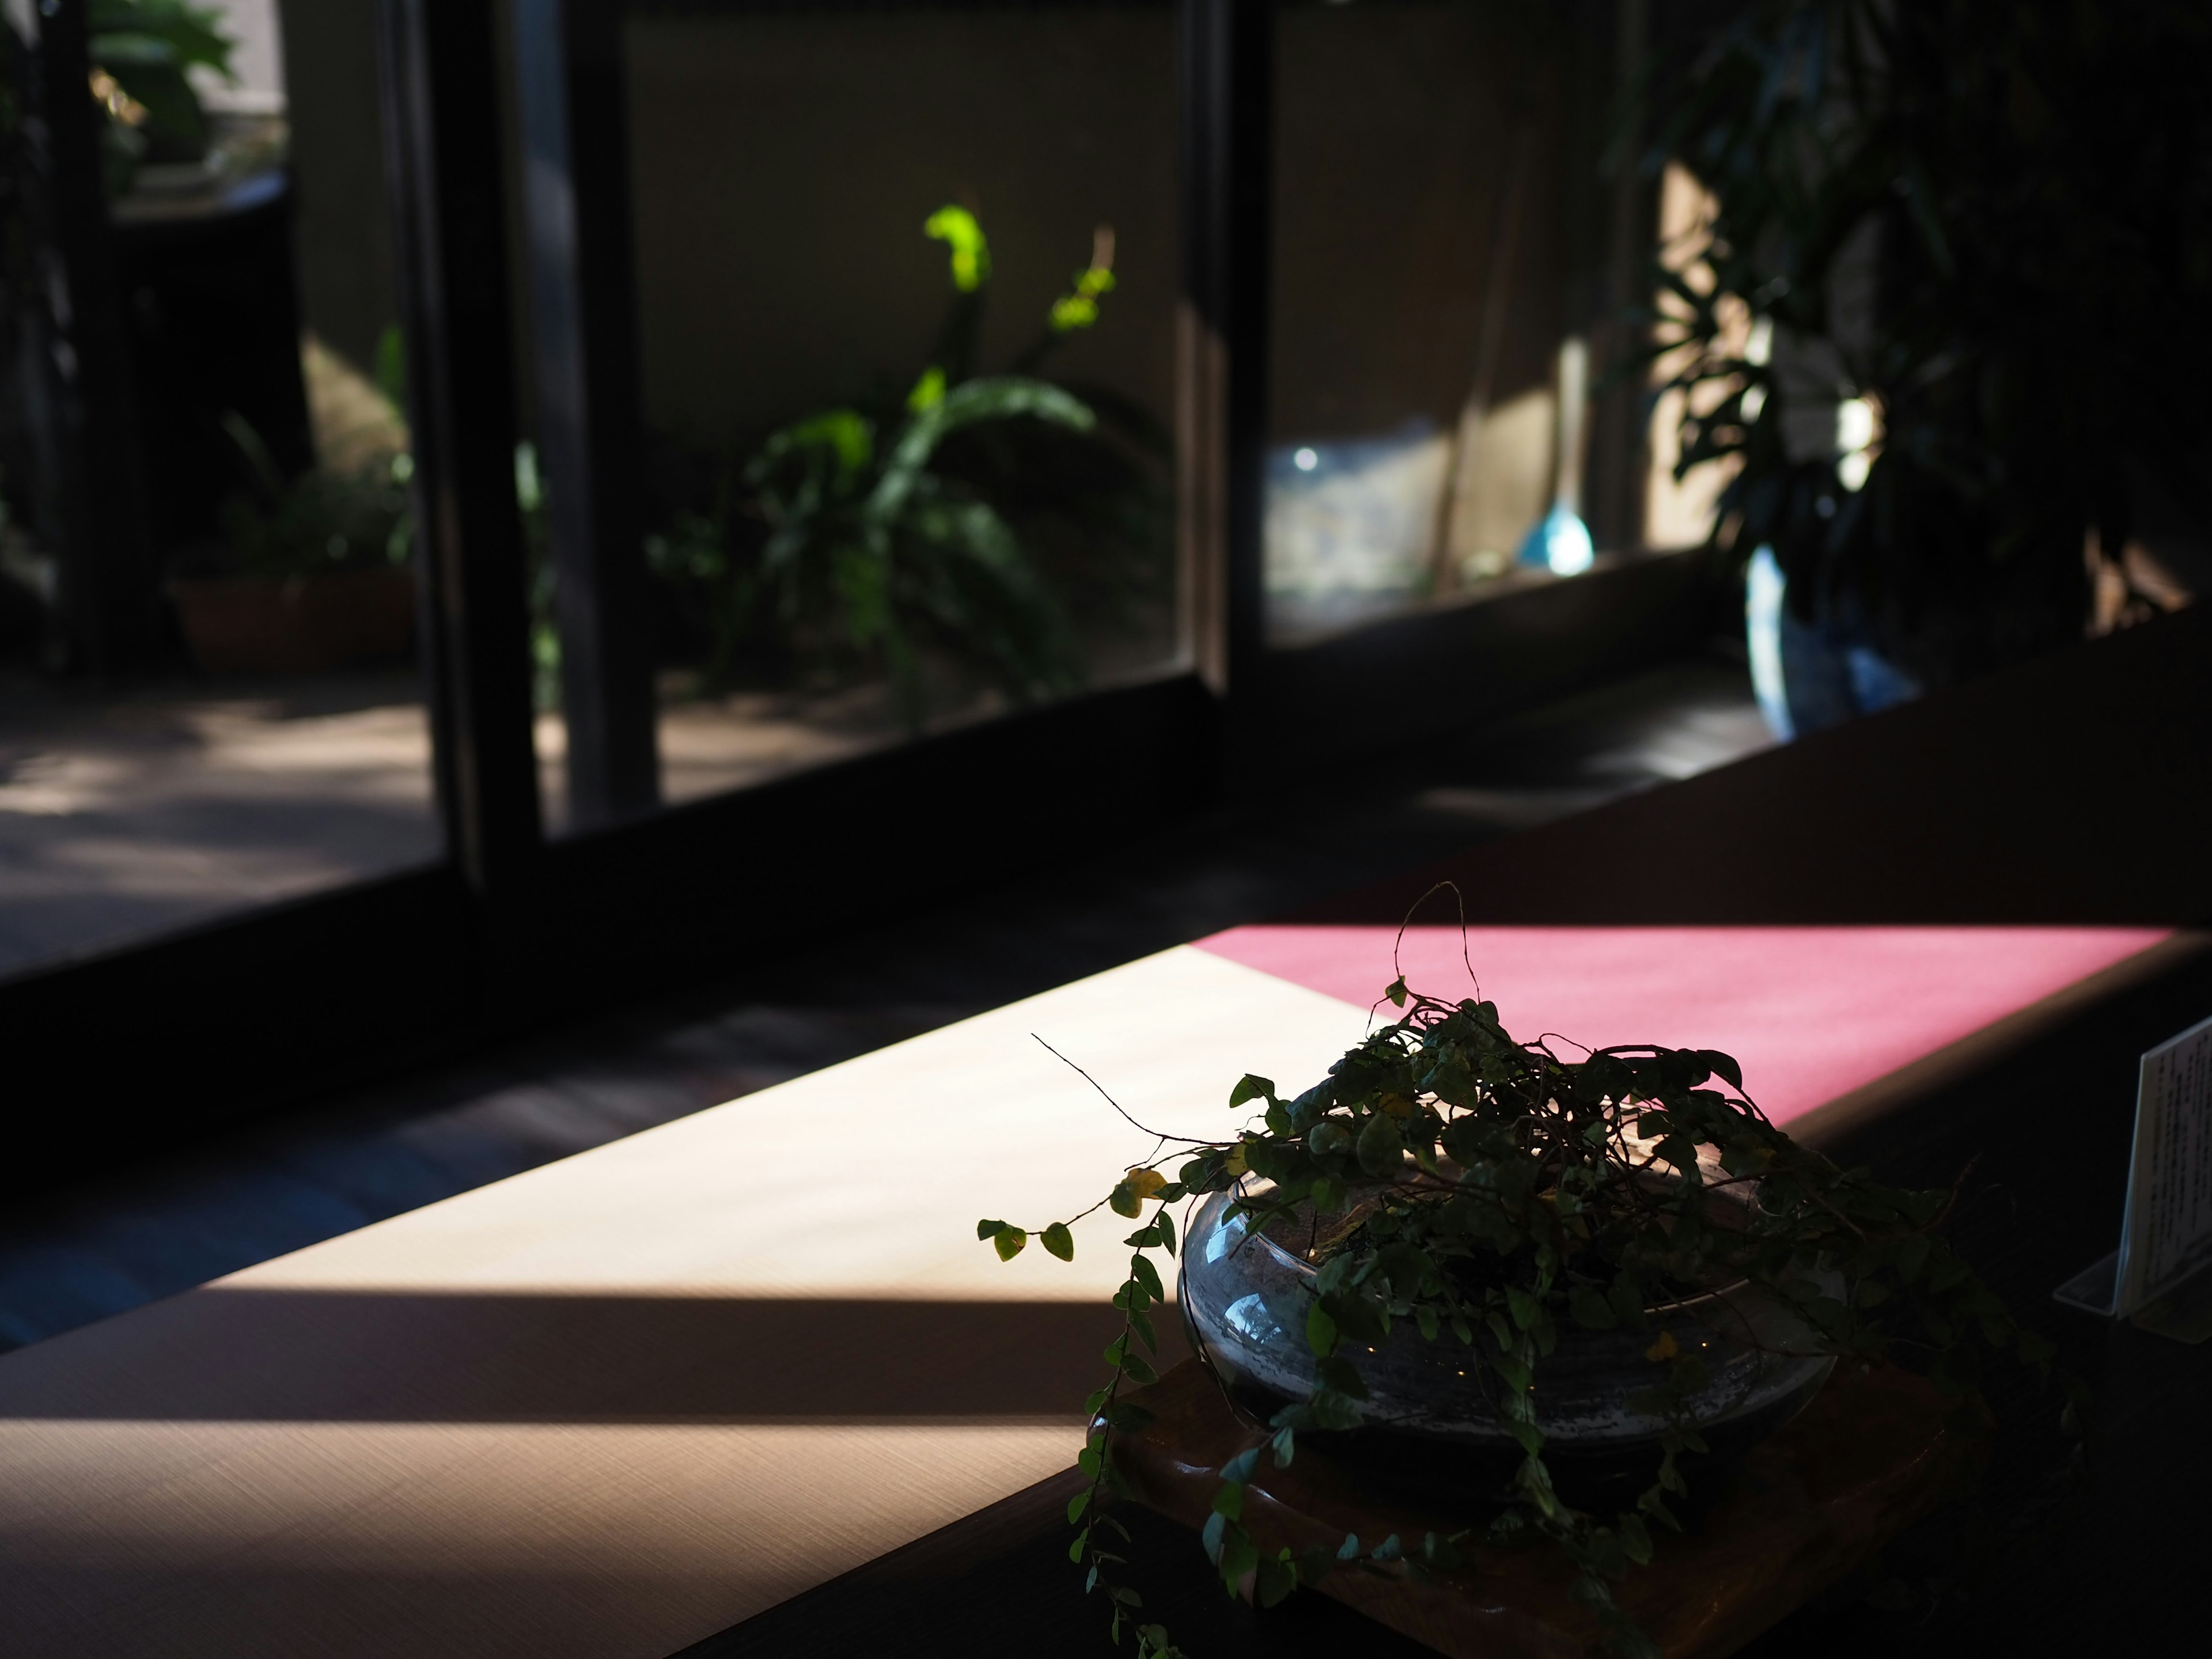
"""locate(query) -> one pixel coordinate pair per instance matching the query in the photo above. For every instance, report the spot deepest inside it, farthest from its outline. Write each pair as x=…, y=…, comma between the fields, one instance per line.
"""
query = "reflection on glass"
x=1558, y=543
x=207, y=605
x=1350, y=523
x=1447, y=258
x=1680, y=512
x=906, y=284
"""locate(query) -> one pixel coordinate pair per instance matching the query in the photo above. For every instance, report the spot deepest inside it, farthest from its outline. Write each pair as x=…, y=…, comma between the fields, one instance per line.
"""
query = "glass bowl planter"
x=1431, y=1413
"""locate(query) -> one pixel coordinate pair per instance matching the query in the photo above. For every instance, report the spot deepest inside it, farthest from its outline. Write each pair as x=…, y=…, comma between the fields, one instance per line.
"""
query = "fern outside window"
x=905, y=284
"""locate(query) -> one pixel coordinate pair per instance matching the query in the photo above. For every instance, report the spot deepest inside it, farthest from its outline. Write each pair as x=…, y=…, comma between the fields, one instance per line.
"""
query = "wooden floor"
x=150, y=1232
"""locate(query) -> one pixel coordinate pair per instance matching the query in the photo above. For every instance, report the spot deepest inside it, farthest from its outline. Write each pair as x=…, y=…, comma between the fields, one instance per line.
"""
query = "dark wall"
x=344, y=233
x=784, y=163
x=1395, y=128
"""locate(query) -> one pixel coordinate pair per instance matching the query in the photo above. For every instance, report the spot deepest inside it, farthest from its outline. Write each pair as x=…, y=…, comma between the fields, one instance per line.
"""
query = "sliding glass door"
x=833, y=454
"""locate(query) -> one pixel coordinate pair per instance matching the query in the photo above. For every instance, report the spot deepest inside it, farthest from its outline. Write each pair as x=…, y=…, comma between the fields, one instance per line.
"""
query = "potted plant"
x=143, y=52
x=947, y=522
x=1573, y=1285
x=1942, y=323
x=309, y=574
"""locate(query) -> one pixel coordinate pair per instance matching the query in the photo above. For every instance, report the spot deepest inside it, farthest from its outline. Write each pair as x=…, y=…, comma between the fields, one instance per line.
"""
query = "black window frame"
x=169, y=1040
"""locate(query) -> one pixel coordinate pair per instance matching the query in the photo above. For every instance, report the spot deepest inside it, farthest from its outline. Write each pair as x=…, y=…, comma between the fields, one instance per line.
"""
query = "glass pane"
x=1443, y=245
x=208, y=696
x=906, y=283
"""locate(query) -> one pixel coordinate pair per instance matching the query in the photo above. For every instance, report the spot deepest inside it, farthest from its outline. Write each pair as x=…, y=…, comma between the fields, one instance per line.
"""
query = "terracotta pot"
x=295, y=624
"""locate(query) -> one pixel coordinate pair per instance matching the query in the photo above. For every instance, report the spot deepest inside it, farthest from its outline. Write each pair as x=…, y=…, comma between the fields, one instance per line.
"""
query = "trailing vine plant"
x=1494, y=1192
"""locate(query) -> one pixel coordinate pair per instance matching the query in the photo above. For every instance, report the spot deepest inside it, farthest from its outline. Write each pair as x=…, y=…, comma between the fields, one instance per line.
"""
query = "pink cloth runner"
x=1810, y=1012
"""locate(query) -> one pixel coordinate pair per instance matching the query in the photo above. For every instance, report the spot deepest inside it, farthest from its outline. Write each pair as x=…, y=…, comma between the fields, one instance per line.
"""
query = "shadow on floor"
x=149, y=1232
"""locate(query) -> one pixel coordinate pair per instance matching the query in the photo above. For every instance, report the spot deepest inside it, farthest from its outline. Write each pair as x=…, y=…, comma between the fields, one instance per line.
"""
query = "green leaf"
x=1077, y=1504
x=1272, y=1581
x=1395, y=991
x=1635, y=1540
x=1139, y=1370
x=1341, y=1376
x=1589, y=1309
x=1125, y=1202
x=1057, y=1239
x=1589, y=1590
x=1075, y=1551
x=1381, y=1148
x=1200, y=1174
x=1166, y=1223
x=1356, y=1317
x=1229, y=1500
x=1320, y=1331
x=1720, y=1065
x=1653, y=1504
x=989, y=1229
x=1438, y=1553
x=970, y=250
x=1008, y=1242
x=1251, y=1088
x=995, y=398
x=928, y=392
x=1239, y=1555
x=1142, y=1270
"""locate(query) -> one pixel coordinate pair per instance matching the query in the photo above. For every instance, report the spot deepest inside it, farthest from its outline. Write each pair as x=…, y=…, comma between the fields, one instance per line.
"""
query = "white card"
x=2168, y=1234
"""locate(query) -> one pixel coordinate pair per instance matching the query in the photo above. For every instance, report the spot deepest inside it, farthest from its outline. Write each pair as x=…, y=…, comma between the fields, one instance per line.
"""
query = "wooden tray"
x=1875, y=1451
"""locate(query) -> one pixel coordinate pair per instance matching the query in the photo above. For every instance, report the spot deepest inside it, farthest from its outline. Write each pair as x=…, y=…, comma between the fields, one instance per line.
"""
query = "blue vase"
x=1559, y=542
x=1810, y=676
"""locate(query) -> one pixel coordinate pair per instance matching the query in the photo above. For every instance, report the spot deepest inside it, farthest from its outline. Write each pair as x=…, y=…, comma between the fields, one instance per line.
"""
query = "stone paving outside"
x=127, y=813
